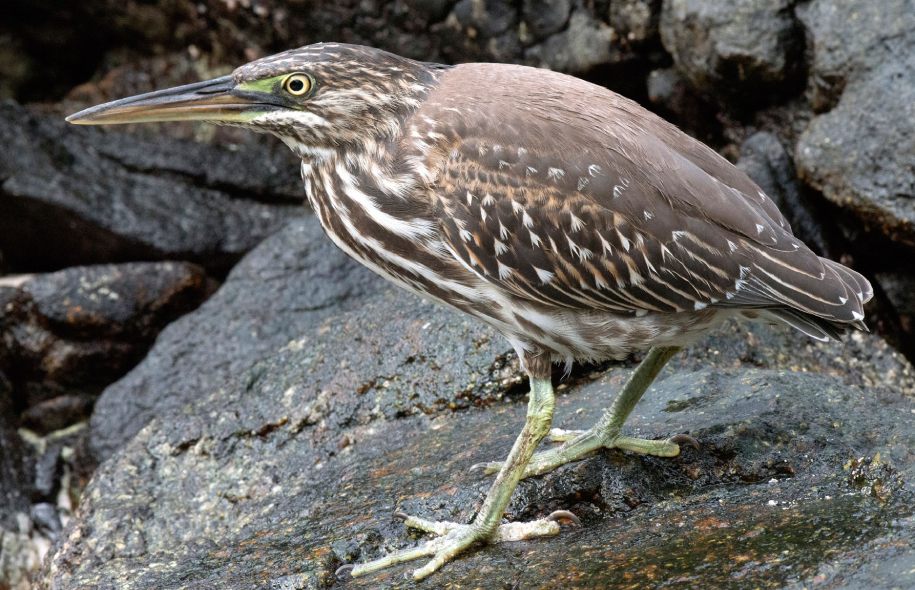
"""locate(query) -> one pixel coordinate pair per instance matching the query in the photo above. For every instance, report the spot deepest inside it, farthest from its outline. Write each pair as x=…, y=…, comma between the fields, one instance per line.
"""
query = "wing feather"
x=582, y=199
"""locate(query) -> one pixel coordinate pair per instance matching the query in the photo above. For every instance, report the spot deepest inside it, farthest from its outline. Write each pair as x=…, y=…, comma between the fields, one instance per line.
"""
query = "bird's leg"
x=455, y=538
x=606, y=433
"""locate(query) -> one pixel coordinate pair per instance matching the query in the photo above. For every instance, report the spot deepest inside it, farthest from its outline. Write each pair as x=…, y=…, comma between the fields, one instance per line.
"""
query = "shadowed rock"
x=65, y=335
x=81, y=195
x=749, y=49
x=17, y=555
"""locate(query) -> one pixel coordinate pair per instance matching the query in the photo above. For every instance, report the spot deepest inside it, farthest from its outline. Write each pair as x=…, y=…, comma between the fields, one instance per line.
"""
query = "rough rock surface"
x=747, y=49
x=274, y=479
x=298, y=288
x=74, y=195
x=859, y=154
x=362, y=400
x=849, y=39
x=65, y=335
x=212, y=36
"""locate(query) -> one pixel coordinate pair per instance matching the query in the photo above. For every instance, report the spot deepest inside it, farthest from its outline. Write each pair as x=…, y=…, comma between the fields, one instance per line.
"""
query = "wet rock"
x=808, y=471
x=859, y=155
x=67, y=334
x=74, y=195
x=748, y=50
x=362, y=400
x=298, y=290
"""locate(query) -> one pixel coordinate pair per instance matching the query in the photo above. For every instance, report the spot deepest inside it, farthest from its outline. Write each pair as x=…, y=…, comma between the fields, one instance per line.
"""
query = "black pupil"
x=296, y=85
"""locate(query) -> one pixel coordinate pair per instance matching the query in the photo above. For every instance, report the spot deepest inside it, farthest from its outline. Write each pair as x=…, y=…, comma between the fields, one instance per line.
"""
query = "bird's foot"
x=579, y=444
x=454, y=538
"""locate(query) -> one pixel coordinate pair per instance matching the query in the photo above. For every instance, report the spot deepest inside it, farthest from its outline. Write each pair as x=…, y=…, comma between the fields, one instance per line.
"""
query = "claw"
x=558, y=435
x=486, y=467
x=478, y=467
x=344, y=569
x=685, y=438
x=401, y=515
x=558, y=515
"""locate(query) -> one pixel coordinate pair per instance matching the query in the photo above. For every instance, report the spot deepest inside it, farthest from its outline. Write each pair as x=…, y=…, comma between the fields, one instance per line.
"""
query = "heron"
x=573, y=221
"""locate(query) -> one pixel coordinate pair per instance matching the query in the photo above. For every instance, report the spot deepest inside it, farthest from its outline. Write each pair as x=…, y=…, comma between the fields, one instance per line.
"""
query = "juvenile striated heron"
x=568, y=218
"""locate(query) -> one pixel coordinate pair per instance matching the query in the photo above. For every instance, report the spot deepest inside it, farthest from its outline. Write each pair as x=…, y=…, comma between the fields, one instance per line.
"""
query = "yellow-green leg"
x=454, y=538
x=606, y=433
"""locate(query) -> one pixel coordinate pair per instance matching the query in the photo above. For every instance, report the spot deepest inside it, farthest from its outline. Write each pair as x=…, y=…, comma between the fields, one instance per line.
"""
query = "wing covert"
x=591, y=236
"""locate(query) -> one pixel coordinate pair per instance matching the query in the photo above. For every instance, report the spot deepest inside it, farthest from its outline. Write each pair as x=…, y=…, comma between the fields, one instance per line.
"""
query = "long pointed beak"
x=213, y=100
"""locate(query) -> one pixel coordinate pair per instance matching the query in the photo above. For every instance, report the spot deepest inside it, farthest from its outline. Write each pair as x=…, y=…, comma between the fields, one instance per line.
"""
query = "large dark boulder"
x=73, y=195
x=848, y=39
x=859, y=153
x=297, y=290
x=275, y=478
x=270, y=435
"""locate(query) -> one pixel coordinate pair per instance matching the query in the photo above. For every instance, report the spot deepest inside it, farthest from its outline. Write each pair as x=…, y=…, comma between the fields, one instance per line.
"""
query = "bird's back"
x=567, y=194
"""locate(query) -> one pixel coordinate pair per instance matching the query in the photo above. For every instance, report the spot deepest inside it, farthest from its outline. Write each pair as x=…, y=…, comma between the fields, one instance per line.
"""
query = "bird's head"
x=316, y=98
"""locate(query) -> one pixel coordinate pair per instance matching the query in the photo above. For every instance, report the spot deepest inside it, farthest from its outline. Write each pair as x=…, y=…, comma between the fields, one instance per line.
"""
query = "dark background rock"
x=65, y=335
x=847, y=39
x=15, y=485
x=14, y=465
x=213, y=35
x=746, y=50
x=860, y=154
x=76, y=196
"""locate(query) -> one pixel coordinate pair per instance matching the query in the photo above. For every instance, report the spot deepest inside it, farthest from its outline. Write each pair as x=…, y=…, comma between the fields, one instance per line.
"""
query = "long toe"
x=583, y=444
x=656, y=448
x=456, y=538
x=685, y=439
x=558, y=435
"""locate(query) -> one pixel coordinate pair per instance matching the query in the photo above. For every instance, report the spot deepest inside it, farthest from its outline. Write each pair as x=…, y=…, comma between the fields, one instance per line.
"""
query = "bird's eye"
x=297, y=84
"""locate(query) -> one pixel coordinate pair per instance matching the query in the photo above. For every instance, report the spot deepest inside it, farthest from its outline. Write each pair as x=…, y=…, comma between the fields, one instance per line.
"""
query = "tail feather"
x=814, y=295
x=817, y=328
